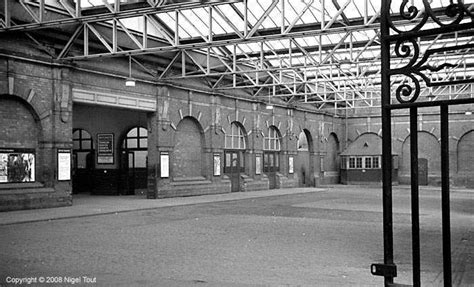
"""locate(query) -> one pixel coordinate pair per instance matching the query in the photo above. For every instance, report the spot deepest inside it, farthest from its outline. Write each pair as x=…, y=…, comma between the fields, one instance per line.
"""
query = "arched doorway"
x=304, y=168
x=83, y=161
x=134, y=161
x=271, y=155
x=429, y=159
x=331, y=160
x=234, y=155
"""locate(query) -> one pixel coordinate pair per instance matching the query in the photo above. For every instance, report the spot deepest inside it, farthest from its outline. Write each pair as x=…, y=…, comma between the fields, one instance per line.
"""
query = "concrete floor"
x=306, y=237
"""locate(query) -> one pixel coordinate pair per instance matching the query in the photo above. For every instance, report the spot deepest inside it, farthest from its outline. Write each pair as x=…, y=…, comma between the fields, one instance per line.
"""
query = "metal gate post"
x=415, y=207
x=446, y=224
x=417, y=72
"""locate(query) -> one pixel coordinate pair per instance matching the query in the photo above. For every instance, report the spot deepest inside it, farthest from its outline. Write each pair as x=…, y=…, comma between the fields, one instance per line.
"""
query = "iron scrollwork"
x=417, y=67
x=450, y=15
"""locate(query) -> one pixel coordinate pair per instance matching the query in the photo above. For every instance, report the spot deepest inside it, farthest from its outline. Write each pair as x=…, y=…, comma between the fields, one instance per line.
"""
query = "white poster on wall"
x=290, y=165
x=164, y=165
x=64, y=164
x=258, y=164
x=217, y=165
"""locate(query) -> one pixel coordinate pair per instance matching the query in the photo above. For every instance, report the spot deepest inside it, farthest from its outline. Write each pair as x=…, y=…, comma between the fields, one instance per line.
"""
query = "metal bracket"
x=386, y=270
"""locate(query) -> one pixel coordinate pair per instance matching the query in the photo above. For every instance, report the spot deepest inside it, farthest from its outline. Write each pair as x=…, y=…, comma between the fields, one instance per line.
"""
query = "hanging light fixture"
x=130, y=82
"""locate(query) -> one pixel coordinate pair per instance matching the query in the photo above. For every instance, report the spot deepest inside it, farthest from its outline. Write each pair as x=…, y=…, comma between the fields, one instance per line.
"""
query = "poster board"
x=258, y=164
x=217, y=165
x=291, y=169
x=64, y=164
x=17, y=165
x=105, y=148
x=164, y=165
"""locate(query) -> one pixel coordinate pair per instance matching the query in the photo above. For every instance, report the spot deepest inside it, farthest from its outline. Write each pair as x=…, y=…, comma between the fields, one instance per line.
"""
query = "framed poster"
x=105, y=148
x=258, y=164
x=290, y=164
x=17, y=165
x=164, y=165
x=217, y=165
x=64, y=164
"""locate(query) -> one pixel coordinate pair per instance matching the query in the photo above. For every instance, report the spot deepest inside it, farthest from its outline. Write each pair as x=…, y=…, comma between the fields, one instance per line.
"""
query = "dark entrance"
x=234, y=166
x=134, y=162
x=271, y=165
x=83, y=162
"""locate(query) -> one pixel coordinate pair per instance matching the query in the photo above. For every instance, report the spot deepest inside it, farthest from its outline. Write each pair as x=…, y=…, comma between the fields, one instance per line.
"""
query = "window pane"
x=351, y=162
x=143, y=133
x=368, y=162
x=227, y=160
x=86, y=144
x=132, y=133
x=359, y=162
x=75, y=144
x=81, y=159
x=132, y=143
x=143, y=143
x=76, y=134
x=140, y=159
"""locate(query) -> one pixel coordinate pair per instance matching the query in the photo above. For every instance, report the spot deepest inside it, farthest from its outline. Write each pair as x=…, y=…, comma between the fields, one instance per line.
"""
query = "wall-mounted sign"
x=64, y=164
x=164, y=165
x=17, y=165
x=217, y=165
x=105, y=148
x=291, y=165
x=258, y=164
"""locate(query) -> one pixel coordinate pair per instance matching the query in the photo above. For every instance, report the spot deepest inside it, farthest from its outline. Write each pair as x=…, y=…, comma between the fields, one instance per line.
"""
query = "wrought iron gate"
x=401, y=34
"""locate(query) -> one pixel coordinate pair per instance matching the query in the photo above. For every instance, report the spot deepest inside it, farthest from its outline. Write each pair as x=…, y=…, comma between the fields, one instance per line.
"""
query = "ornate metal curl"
x=455, y=12
x=406, y=93
x=403, y=49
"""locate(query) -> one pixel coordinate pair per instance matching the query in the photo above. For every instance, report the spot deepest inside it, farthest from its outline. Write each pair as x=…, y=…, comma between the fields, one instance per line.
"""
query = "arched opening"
x=271, y=155
x=134, y=161
x=188, y=150
x=19, y=135
x=234, y=154
x=304, y=164
x=429, y=159
x=331, y=160
x=466, y=153
x=83, y=161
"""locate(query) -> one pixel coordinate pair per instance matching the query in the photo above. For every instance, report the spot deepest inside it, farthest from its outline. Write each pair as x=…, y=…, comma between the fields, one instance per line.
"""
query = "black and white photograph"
x=230, y=143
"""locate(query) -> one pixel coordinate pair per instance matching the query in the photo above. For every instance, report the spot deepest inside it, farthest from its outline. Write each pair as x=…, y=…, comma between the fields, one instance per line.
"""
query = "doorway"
x=271, y=165
x=134, y=162
x=234, y=166
x=83, y=162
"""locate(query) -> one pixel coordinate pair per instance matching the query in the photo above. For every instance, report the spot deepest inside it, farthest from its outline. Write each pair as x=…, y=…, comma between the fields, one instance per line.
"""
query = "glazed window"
x=272, y=140
x=236, y=138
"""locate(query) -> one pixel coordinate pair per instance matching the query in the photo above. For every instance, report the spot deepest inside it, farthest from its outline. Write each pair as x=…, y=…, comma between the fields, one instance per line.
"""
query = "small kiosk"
x=361, y=162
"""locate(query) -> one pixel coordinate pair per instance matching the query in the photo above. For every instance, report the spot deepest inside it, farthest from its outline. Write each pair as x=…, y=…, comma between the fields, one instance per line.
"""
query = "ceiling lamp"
x=130, y=82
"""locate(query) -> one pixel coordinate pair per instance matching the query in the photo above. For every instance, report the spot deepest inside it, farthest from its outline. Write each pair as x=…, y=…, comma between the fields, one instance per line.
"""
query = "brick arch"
x=331, y=159
x=465, y=152
x=188, y=152
x=20, y=112
x=428, y=148
x=242, y=128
